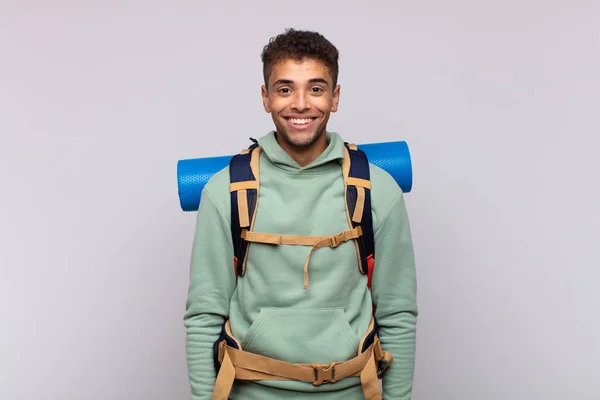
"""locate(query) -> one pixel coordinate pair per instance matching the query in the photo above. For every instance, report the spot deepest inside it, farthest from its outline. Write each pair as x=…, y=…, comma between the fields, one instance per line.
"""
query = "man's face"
x=300, y=97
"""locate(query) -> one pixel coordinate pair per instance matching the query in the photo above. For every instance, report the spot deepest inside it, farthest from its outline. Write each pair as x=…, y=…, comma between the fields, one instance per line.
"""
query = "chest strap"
x=317, y=242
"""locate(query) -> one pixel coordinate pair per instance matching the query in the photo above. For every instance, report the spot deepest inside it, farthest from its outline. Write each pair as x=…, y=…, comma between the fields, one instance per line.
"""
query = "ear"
x=336, y=98
x=265, y=98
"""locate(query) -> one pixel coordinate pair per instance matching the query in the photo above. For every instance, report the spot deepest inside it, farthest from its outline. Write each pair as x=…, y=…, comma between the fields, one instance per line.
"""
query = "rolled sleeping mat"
x=193, y=174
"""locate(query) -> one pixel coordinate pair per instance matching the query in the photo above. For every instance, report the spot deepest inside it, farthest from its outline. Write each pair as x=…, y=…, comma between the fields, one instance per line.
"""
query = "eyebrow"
x=289, y=81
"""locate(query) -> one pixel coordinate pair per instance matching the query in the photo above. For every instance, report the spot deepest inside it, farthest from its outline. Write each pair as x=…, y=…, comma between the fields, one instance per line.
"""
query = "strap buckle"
x=324, y=373
x=382, y=358
x=337, y=239
x=382, y=366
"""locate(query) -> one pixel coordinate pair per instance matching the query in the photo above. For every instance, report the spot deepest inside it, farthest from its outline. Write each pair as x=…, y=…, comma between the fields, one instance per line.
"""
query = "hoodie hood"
x=332, y=156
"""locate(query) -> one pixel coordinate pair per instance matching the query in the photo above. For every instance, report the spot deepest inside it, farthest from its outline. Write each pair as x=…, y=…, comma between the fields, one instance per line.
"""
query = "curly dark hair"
x=298, y=45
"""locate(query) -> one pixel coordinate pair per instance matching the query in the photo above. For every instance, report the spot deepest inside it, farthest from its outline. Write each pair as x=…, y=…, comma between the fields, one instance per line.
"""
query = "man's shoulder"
x=217, y=188
x=383, y=184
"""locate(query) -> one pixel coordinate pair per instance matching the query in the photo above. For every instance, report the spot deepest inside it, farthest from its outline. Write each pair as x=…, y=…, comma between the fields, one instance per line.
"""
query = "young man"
x=298, y=309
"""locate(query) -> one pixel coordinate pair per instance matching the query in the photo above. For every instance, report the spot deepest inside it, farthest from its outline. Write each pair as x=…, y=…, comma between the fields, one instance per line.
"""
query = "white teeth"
x=296, y=121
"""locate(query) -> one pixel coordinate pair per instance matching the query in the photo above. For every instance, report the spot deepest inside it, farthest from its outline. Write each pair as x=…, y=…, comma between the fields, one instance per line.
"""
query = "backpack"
x=244, y=188
x=372, y=360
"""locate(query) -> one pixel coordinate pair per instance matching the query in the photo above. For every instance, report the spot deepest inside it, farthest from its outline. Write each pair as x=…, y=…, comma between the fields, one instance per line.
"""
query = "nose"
x=300, y=102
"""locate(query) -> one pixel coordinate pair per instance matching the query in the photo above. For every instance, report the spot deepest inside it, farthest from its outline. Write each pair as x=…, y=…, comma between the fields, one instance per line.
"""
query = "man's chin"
x=300, y=139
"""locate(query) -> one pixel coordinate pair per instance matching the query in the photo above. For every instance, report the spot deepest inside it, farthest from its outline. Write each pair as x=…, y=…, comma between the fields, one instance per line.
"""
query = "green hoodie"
x=270, y=311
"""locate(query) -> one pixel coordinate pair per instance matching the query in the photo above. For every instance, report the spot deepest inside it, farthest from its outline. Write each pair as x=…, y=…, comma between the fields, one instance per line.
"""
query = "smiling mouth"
x=299, y=122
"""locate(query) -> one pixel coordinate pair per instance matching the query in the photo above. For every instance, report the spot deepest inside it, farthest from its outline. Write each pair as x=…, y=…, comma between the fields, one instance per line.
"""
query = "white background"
x=498, y=102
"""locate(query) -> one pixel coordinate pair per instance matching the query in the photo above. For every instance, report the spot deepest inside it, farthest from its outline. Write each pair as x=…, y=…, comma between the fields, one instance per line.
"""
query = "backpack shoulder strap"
x=357, y=181
x=244, y=183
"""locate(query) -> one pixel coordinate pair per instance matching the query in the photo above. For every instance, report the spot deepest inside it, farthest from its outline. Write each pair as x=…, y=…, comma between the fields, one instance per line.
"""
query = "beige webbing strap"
x=346, y=166
x=254, y=159
x=243, y=208
x=254, y=165
x=317, y=242
x=370, y=381
x=271, y=238
x=238, y=364
x=380, y=355
x=332, y=241
x=360, y=185
x=358, y=182
x=359, y=209
x=243, y=185
x=225, y=378
x=242, y=192
x=360, y=204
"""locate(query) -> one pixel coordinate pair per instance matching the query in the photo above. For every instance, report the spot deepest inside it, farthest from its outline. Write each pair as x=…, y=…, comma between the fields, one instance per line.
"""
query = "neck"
x=304, y=155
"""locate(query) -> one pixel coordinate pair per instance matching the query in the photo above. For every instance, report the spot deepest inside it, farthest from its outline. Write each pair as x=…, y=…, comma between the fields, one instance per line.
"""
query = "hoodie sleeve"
x=211, y=285
x=394, y=290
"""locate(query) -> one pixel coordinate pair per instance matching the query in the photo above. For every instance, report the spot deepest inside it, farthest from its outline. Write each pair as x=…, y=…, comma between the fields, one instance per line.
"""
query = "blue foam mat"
x=192, y=174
